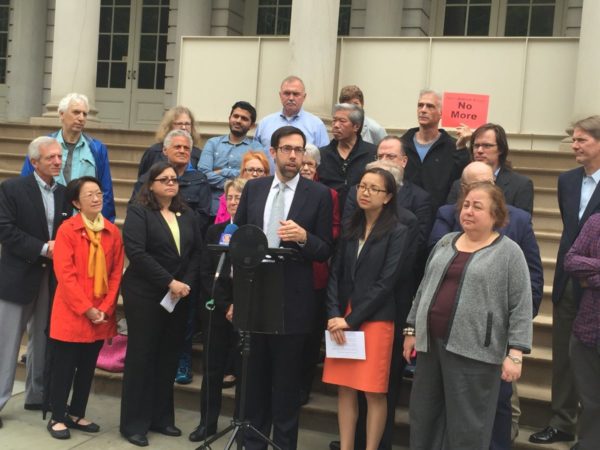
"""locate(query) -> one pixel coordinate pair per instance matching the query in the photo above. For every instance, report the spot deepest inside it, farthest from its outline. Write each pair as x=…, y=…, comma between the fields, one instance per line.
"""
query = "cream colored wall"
x=530, y=81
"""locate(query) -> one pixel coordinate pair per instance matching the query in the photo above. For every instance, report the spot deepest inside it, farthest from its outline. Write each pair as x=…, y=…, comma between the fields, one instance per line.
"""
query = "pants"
x=185, y=356
x=274, y=383
x=501, y=433
x=565, y=401
x=73, y=364
x=586, y=367
x=14, y=319
x=154, y=340
x=450, y=401
x=312, y=348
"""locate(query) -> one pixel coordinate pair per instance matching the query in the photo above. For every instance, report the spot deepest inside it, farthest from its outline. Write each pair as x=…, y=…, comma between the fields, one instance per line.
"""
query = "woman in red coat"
x=88, y=262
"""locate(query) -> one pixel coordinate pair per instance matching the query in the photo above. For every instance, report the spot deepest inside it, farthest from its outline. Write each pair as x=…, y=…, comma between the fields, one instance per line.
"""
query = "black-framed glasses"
x=167, y=180
x=287, y=149
x=370, y=189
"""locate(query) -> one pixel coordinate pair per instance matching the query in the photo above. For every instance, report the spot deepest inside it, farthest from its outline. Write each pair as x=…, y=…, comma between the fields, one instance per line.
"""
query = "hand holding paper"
x=352, y=348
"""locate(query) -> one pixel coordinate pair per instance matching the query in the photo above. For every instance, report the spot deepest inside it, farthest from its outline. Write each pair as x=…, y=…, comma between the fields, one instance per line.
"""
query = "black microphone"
x=229, y=230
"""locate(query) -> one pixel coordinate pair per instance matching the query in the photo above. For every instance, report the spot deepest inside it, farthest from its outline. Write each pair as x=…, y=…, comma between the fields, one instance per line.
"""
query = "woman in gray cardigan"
x=470, y=324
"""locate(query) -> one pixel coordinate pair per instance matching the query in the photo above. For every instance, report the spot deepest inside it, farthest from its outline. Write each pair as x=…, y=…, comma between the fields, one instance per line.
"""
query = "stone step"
x=547, y=219
x=561, y=160
x=542, y=177
x=545, y=197
x=548, y=241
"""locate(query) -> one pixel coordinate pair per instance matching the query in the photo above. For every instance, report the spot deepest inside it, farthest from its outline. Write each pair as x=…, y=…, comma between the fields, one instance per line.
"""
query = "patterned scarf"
x=96, y=259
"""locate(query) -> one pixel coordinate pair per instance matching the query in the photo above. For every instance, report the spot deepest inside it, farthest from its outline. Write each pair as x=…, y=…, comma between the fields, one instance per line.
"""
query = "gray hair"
x=313, y=153
x=235, y=183
x=176, y=133
x=33, y=151
x=591, y=125
x=73, y=97
x=291, y=79
x=437, y=95
x=396, y=171
x=356, y=116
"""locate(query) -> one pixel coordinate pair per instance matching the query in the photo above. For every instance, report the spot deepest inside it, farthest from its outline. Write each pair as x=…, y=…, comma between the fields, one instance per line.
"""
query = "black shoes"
x=89, y=428
x=1, y=422
x=201, y=433
x=549, y=435
x=169, y=430
x=57, y=434
x=33, y=406
x=138, y=439
x=334, y=445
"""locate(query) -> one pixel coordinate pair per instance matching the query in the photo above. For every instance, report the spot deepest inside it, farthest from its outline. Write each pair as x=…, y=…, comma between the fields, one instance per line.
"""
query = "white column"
x=313, y=49
x=74, y=52
x=587, y=80
x=384, y=18
x=25, y=77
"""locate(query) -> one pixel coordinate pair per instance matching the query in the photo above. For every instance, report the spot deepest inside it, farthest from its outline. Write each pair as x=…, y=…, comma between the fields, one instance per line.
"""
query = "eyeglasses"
x=257, y=171
x=287, y=149
x=182, y=124
x=370, y=189
x=92, y=195
x=167, y=180
x=484, y=146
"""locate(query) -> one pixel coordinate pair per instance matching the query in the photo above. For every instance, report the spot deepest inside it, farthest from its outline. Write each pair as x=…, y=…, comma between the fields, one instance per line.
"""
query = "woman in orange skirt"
x=359, y=297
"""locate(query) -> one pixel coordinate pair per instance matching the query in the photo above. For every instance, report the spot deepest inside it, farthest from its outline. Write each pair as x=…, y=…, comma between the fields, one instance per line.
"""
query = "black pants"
x=274, y=383
x=501, y=432
x=312, y=347
x=154, y=341
x=73, y=365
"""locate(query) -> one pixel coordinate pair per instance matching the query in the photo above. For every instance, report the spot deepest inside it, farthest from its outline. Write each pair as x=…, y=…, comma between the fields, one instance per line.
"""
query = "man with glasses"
x=292, y=94
x=294, y=212
x=344, y=159
x=490, y=146
x=222, y=155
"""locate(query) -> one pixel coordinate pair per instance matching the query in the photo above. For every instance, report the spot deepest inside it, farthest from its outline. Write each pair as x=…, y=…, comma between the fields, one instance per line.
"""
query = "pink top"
x=222, y=214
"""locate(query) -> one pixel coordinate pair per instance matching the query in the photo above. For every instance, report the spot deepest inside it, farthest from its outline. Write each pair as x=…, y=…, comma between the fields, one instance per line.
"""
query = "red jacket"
x=74, y=293
x=321, y=269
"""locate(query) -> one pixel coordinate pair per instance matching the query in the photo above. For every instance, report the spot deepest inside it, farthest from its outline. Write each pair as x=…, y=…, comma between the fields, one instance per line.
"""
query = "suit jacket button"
x=44, y=264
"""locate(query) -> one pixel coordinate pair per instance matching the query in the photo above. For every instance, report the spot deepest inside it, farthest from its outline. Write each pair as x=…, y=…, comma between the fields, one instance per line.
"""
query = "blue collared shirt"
x=588, y=185
x=220, y=153
x=83, y=161
x=311, y=126
x=48, y=199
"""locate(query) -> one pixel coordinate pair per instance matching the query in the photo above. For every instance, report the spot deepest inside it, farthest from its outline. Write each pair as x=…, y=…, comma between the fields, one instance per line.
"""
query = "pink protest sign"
x=471, y=109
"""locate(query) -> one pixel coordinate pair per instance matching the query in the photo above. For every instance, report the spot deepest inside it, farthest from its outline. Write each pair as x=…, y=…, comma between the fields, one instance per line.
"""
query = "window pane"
x=150, y=20
x=105, y=19
x=545, y=2
x=119, y=47
x=266, y=21
x=479, y=21
x=151, y=2
x=4, y=19
x=518, y=2
x=3, y=44
x=123, y=2
x=160, y=76
x=344, y=22
x=2, y=71
x=146, y=76
x=542, y=21
x=104, y=47
x=148, y=48
x=267, y=2
x=121, y=24
x=162, y=48
x=283, y=21
x=456, y=2
x=164, y=20
x=106, y=3
x=285, y=2
x=516, y=20
x=117, y=75
x=454, y=22
x=102, y=75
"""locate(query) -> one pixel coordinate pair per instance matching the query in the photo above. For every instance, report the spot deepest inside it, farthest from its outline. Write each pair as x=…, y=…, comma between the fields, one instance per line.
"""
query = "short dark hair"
x=501, y=141
x=246, y=107
x=287, y=130
x=499, y=210
x=74, y=187
x=147, y=198
x=388, y=218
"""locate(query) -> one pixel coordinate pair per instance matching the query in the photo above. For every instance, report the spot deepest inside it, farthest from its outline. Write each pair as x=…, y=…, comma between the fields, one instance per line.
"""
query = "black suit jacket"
x=312, y=209
x=153, y=257
x=569, y=196
x=517, y=189
x=23, y=233
x=367, y=280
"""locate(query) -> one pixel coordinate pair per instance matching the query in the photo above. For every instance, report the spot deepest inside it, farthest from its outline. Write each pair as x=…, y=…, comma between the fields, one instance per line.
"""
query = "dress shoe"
x=201, y=433
x=33, y=406
x=169, y=430
x=89, y=428
x=334, y=445
x=549, y=435
x=138, y=439
x=57, y=434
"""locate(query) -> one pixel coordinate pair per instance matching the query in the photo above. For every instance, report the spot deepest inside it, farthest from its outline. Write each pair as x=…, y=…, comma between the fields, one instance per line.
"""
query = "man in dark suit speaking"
x=294, y=213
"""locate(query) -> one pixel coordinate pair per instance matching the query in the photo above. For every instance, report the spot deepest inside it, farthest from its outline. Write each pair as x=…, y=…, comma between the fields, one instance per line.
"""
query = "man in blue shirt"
x=292, y=95
x=82, y=155
x=221, y=158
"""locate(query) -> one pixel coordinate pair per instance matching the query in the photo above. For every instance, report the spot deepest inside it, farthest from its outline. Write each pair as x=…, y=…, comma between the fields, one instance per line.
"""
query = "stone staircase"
x=125, y=150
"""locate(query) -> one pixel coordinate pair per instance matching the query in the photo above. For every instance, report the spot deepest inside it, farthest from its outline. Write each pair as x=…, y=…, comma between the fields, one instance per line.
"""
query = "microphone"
x=229, y=230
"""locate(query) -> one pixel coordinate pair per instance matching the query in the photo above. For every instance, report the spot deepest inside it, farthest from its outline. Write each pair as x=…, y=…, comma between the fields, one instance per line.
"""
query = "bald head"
x=477, y=171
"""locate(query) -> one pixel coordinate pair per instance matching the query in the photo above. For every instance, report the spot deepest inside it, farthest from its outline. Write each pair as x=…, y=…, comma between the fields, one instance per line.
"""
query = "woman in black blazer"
x=163, y=244
x=360, y=297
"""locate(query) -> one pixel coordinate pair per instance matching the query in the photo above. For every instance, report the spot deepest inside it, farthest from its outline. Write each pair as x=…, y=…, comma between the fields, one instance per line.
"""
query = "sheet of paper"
x=168, y=302
x=354, y=348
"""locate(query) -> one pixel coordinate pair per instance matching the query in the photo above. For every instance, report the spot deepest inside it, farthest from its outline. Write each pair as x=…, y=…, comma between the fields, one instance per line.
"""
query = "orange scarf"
x=96, y=258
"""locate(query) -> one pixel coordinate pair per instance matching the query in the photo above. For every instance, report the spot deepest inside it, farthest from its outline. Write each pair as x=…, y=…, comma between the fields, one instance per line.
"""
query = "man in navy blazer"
x=274, y=369
x=520, y=230
x=31, y=210
x=578, y=199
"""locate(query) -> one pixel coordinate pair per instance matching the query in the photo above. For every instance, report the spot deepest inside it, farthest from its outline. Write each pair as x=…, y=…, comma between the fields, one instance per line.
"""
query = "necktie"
x=277, y=214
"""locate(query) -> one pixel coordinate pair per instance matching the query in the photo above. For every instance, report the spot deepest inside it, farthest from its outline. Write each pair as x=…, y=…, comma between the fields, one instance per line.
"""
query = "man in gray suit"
x=31, y=209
